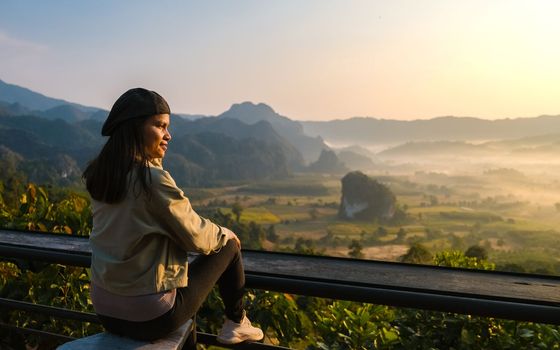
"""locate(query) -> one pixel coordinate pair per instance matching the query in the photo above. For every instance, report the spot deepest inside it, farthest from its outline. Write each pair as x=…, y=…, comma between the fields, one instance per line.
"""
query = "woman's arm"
x=191, y=231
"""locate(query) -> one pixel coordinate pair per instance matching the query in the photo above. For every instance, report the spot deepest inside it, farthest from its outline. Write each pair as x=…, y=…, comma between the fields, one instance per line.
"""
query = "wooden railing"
x=505, y=295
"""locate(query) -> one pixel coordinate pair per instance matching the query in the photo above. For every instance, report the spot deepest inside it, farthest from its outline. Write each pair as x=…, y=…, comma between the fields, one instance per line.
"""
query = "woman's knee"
x=231, y=245
x=233, y=253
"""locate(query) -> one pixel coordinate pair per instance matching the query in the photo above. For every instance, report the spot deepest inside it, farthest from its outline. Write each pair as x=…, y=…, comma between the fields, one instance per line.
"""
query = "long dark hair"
x=107, y=176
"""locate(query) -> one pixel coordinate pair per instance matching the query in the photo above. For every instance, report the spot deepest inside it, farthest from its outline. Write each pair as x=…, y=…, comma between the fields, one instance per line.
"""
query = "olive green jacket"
x=139, y=245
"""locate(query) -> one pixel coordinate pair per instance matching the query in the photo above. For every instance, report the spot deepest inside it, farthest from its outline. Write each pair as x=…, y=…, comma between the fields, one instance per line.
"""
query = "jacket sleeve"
x=189, y=230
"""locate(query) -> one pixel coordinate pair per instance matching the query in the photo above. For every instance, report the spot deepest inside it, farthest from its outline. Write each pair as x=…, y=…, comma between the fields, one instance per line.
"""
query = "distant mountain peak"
x=250, y=112
x=249, y=104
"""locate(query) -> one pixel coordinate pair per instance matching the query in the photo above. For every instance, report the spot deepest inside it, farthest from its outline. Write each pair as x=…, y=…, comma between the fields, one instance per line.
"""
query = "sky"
x=307, y=59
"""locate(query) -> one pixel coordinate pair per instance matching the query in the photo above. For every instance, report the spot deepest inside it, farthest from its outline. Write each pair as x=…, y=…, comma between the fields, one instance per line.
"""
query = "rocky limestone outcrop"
x=364, y=198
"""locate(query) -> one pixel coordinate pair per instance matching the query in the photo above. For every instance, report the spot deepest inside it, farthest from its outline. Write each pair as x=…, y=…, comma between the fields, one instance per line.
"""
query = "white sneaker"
x=233, y=333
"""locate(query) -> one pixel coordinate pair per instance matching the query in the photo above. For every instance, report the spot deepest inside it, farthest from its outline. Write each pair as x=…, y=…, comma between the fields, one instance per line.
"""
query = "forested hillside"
x=50, y=140
x=200, y=153
x=292, y=131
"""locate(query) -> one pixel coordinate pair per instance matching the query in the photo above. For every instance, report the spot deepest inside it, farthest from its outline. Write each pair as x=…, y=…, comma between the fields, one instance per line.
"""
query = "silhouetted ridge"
x=33, y=100
x=292, y=131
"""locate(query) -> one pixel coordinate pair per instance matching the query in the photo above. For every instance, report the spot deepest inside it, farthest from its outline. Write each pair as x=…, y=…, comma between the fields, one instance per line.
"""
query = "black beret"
x=135, y=103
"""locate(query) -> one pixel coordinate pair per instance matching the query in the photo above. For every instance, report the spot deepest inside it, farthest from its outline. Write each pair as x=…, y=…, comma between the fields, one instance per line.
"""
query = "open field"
x=516, y=225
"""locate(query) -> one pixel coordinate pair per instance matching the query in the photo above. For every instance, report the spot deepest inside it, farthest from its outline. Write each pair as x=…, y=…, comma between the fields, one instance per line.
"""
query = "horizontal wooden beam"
x=514, y=296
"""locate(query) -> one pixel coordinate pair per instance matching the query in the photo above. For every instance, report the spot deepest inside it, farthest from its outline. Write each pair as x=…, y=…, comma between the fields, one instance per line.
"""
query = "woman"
x=142, y=285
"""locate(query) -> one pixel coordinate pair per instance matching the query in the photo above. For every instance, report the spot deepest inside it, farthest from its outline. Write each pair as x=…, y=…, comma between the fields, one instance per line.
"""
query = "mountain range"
x=372, y=131
x=292, y=131
x=237, y=145
x=252, y=141
x=31, y=100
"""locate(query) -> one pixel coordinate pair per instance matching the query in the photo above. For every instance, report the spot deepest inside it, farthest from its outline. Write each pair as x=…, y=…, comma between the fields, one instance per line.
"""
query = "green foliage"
x=442, y=331
x=307, y=247
x=279, y=317
x=458, y=259
x=34, y=211
x=260, y=215
x=206, y=158
x=237, y=209
x=477, y=251
x=401, y=234
x=251, y=234
x=271, y=234
x=350, y=325
x=54, y=285
x=37, y=166
x=210, y=316
x=276, y=313
x=435, y=330
x=417, y=254
x=8, y=273
x=355, y=249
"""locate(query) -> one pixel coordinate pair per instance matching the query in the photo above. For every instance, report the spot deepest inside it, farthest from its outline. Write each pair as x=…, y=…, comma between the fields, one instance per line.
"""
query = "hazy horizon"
x=312, y=60
x=300, y=120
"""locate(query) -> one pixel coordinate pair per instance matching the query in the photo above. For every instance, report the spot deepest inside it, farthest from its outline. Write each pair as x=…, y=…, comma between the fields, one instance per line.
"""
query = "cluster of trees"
x=57, y=169
x=207, y=158
x=297, y=321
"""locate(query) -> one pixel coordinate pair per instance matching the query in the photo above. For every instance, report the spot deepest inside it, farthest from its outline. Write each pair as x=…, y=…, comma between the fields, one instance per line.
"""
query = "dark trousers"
x=224, y=268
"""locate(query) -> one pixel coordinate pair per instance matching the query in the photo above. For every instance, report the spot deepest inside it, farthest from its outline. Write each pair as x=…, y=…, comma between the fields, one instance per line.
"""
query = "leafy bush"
x=350, y=325
x=35, y=212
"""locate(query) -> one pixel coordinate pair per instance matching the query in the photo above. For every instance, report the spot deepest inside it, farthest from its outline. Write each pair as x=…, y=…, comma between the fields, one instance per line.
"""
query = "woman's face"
x=156, y=135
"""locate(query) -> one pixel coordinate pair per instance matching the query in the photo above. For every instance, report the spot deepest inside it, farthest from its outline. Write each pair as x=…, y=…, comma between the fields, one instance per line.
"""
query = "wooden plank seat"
x=176, y=340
